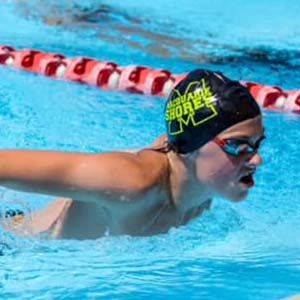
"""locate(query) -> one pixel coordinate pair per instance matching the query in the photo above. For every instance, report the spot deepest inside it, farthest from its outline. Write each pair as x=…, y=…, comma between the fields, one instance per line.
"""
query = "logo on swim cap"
x=183, y=109
x=204, y=104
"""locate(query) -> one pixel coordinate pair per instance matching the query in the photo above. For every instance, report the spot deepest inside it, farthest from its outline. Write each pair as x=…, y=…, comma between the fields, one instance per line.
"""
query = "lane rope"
x=109, y=75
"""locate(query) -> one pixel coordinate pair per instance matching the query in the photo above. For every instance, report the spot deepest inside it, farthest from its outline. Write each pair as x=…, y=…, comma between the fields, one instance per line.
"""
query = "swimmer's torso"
x=69, y=219
x=80, y=220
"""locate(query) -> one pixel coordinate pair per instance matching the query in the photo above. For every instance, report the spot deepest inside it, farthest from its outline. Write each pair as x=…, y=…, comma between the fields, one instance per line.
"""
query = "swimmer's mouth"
x=247, y=179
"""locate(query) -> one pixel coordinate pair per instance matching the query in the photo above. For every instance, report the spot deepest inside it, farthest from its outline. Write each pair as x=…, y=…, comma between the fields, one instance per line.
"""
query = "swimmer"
x=214, y=130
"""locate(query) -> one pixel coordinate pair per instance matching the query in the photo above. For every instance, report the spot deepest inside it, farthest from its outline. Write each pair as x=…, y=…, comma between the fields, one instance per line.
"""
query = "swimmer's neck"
x=186, y=191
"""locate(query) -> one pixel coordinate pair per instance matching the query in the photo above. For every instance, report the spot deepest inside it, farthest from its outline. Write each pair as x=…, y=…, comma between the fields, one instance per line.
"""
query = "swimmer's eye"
x=237, y=147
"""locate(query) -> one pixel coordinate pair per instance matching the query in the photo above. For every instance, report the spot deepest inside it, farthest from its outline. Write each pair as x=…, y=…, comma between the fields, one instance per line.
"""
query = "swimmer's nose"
x=256, y=159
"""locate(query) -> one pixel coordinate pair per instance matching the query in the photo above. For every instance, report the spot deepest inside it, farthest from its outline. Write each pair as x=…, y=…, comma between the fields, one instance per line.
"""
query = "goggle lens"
x=237, y=147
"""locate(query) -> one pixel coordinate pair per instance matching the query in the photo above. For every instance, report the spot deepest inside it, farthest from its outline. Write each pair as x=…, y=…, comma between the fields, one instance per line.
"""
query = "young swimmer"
x=214, y=130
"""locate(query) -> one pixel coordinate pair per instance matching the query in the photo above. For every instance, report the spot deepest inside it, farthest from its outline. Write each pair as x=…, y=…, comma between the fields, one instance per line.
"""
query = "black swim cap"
x=204, y=104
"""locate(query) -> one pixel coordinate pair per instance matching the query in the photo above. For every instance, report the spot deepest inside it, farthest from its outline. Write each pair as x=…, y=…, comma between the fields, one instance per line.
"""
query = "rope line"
x=109, y=75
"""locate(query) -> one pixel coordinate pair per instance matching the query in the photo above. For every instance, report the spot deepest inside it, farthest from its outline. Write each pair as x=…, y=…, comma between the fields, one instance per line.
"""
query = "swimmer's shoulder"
x=133, y=172
x=153, y=164
x=147, y=159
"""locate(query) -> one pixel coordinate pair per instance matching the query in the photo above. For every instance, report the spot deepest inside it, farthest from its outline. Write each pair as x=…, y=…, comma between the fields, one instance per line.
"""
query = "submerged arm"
x=76, y=175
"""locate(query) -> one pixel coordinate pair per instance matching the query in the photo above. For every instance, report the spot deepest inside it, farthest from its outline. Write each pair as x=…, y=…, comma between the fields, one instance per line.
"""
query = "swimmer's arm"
x=80, y=176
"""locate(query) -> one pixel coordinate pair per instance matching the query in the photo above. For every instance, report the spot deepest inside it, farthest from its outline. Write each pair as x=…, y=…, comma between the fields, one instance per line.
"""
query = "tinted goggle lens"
x=239, y=146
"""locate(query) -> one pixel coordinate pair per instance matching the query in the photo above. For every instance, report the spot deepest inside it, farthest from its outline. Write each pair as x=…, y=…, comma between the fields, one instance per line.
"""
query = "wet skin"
x=142, y=192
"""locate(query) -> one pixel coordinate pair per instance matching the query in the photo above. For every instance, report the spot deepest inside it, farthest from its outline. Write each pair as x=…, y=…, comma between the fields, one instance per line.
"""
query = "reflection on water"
x=116, y=25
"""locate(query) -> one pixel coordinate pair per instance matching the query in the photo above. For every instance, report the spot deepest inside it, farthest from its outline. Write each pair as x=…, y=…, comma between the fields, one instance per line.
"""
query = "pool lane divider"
x=109, y=75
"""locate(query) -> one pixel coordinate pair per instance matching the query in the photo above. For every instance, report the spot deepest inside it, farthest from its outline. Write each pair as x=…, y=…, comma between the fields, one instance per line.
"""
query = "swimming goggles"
x=238, y=147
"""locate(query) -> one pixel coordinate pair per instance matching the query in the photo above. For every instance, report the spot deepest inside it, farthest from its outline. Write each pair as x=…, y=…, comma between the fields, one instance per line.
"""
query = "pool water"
x=243, y=251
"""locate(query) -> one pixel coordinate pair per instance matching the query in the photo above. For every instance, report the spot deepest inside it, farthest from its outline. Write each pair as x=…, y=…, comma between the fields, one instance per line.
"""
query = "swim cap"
x=204, y=104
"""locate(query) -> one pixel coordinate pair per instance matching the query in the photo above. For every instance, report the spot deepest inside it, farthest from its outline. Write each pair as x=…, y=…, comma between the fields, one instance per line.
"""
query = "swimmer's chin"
x=237, y=197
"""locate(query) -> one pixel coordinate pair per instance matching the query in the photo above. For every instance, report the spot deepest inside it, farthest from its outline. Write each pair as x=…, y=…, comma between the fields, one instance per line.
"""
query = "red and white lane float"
x=135, y=79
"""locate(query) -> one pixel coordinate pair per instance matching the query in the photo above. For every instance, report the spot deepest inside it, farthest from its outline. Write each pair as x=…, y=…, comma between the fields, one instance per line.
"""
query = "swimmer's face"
x=231, y=175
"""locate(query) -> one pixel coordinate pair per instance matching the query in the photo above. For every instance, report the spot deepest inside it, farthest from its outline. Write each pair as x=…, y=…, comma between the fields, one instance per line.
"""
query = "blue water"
x=242, y=251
